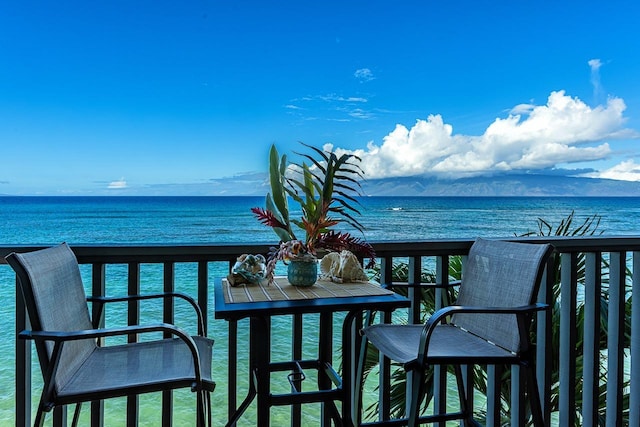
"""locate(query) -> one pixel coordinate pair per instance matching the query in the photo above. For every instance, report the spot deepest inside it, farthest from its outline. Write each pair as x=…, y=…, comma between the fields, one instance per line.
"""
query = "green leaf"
x=284, y=235
x=272, y=208
x=275, y=178
x=277, y=201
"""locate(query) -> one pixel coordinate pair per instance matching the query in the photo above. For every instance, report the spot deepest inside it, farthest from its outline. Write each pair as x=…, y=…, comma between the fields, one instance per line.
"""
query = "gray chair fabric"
x=59, y=303
x=499, y=274
x=141, y=364
x=75, y=367
x=489, y=324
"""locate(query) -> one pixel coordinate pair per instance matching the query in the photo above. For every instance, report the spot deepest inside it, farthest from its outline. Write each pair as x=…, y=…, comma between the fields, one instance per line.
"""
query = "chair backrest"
x=54, y=296
x=500, y=274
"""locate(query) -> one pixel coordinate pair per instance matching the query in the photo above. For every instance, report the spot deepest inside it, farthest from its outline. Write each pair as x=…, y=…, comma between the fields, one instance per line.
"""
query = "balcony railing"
x=597, y=278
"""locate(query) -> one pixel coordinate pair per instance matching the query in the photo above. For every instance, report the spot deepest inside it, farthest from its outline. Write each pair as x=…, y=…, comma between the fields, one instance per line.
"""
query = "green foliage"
x=588, y=228
x=325, y=188
x=276, y=201
x=325, y=192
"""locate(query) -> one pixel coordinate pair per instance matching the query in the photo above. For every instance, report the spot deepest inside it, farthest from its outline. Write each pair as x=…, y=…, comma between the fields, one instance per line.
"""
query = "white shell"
x=341, y=267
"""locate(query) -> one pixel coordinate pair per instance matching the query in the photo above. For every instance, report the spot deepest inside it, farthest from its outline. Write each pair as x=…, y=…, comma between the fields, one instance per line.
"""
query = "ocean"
x=176, y=220
x=78, y=220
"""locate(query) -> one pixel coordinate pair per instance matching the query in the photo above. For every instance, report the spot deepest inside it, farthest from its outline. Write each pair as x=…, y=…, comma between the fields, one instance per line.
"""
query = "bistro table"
x=260, y=303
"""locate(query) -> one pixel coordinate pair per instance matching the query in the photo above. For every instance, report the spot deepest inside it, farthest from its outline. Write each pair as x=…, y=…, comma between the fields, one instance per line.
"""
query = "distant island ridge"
x=524, y=185
x=505, y=185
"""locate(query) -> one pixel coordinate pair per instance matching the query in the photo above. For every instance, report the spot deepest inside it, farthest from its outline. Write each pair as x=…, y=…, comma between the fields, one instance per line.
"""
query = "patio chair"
x=490, y=324
x=76, y=368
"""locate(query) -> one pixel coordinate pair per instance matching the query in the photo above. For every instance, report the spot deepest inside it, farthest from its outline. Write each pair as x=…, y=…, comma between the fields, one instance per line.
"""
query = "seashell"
x=247, y=269
x=329, y=265
x=341, y=267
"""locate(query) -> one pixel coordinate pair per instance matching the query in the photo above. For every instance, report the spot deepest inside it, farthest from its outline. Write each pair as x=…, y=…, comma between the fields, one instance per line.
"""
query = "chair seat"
x=449, y=344
x=140, y=367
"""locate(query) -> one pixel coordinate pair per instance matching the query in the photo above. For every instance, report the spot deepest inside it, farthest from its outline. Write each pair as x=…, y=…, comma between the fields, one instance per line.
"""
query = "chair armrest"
x=102, y=300
x=453, y=309
x=60, y=337
x=444, y=312
x=423, y=285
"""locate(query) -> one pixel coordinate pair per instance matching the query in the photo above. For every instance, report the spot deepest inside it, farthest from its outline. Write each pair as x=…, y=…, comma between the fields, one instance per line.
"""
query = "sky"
x=169, y=97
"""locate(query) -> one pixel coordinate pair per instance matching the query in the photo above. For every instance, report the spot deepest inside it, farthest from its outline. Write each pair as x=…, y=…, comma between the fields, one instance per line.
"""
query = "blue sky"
x=168, y=97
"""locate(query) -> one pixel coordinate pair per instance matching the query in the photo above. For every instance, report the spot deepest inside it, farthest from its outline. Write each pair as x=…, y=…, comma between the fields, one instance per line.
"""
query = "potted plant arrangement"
x=325, y=190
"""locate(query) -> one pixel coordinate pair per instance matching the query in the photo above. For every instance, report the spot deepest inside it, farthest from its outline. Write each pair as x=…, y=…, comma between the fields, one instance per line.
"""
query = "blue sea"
x=176, y=220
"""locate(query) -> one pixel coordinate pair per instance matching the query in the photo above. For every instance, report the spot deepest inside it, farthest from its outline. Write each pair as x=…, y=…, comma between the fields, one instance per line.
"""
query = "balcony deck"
x=589, y=333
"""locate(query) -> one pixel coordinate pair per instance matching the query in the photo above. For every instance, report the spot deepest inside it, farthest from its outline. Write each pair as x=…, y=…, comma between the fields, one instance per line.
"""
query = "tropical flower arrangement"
x=325, y=190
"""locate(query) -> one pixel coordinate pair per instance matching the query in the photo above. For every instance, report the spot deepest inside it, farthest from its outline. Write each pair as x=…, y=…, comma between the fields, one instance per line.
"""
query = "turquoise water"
x=175, y=220
x=36, y=220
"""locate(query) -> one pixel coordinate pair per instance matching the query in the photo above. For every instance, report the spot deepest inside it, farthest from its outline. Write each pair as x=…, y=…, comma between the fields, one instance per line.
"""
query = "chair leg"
x=417, y=393
x=465, y=406
x=209, y=416
x=39, y=422
x=76, y=414
x=200, y=415
x=358, y=382
x=534, y=397
x=41, y=413
x=356, y=408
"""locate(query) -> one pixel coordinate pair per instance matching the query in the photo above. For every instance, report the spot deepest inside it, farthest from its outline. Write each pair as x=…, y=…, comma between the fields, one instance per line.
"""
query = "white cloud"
x=564, y=130
x=522, y=109
x=359, y=113
x=364, y=75
x=332, y=107
x=117, y=185
x=627, y=170
x=595, y=65
x=332, y=97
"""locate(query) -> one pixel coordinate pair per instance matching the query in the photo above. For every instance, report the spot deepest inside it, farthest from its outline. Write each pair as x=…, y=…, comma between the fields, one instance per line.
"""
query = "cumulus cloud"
x=364, y=75
x=627, y=170
x=117, y=185
x=564, y=130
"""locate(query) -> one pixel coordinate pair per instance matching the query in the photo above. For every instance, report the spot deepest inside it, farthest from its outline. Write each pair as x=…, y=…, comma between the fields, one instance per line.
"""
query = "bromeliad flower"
x=294, y=249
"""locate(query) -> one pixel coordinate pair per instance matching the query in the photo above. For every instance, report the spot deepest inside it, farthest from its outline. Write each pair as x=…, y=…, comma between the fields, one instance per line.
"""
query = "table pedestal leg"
x=260, y=357
x=325, y=356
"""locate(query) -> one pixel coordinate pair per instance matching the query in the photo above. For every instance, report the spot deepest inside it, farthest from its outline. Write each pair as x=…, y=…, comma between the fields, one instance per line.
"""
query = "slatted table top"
x=282, y=298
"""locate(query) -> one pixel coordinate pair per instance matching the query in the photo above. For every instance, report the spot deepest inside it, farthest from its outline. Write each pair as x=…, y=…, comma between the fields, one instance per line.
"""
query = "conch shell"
x=341, y=267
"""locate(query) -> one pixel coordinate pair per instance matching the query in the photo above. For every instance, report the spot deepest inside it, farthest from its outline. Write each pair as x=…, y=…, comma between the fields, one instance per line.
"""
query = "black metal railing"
x=582, y=262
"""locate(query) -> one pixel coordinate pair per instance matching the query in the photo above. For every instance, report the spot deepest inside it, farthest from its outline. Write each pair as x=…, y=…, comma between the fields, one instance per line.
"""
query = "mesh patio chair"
x=489, y=324
x=76, y=368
